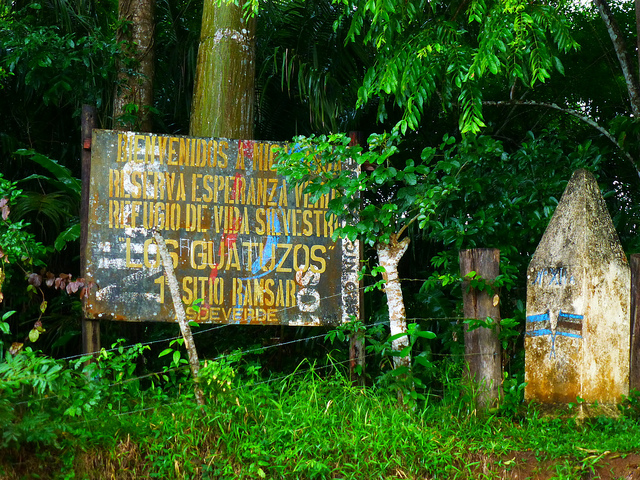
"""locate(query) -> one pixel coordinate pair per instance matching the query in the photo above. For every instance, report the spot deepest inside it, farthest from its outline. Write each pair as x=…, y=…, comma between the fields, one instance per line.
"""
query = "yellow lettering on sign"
x=259, y=160
x=291, y=293
x=136, y=148
x=174, y=255
x=195, y=177
x=287, y=250
x=260, y=223
x=308, y=226
x=135, y=210
x=233, y=261
x=219, y=186
x=183, y=152
x=181, y=194
x=240, y=157
x=206, y=180
x=122, y=148
x=222, y=146
x=281, y=299
x=282, y=200
x=150, y=149
x=146, y=248
x=160, y=281
x=236, y=292
x=212, y=153
x=187, y=292
x=251, y=193
x=114, y=182
x=171, y=152
x=191, y=217
x=136, y=183
x=163, y=150
x=129, y=263
x=320, y=260
x=267, y=293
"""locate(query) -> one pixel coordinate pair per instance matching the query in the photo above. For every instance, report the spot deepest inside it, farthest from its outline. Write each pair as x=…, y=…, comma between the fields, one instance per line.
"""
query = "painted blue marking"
x=567, y=334
x=545, y=331
x=538, y=318
x=540, y=333
x=267, y=251
x=570, y=315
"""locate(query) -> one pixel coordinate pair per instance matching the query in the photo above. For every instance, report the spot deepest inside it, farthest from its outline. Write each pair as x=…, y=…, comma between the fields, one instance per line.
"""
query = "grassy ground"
x=305, y=426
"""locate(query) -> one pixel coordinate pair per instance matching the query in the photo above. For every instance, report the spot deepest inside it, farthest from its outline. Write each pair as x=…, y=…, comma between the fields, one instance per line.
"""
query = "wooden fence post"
x=482, y=346
x=357, y=339
x=90, y=328
x=634, y=365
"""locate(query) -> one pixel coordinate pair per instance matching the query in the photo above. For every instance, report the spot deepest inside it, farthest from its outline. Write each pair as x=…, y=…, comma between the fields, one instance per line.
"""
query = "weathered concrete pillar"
x=577, y=332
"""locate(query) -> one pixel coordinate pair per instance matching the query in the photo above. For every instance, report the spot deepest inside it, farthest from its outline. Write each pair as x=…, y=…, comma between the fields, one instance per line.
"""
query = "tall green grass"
x=310, y=424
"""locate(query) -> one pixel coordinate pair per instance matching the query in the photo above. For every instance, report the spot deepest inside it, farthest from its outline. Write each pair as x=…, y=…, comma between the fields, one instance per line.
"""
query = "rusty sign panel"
x=246, y=245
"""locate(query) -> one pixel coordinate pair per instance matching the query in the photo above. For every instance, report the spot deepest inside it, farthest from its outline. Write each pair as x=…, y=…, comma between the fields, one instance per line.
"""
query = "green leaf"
x=34, y=335
x=69, y=235
x=558, y=64
x=166, y=351
x=425, y=334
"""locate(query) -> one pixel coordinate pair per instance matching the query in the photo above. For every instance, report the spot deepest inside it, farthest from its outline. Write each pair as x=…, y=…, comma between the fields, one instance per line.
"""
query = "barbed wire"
x=174, y=369
x=313, y=368
x=198, y=332
x=240, y=354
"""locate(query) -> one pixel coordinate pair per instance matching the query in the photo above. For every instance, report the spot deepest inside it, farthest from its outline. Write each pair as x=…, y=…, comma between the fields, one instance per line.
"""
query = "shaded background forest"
x=58, y=55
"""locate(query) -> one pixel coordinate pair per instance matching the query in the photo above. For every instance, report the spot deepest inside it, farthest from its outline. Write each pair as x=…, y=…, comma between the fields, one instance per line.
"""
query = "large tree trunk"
x=389, y=256
x=619, y=45
x=134, y=91
x=224, y=96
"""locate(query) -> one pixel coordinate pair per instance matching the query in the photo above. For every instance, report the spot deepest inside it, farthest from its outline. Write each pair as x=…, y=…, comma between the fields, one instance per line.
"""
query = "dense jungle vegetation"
x=476, y=112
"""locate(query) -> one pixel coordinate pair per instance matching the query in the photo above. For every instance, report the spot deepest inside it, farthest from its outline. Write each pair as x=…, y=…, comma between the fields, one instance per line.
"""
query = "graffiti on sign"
x=247, y=246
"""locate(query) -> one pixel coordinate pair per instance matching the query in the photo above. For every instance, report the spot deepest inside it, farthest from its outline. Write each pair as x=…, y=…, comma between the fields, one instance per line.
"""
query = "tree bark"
x=389, y=256
x=224, y=92
x=134, y=90
x=619, y=45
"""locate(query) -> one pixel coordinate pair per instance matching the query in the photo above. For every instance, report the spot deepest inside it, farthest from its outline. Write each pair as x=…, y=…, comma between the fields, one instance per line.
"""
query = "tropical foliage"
x=476, y=114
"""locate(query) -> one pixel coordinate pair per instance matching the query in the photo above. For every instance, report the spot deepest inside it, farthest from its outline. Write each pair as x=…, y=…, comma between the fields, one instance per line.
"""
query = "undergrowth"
x=100, y=421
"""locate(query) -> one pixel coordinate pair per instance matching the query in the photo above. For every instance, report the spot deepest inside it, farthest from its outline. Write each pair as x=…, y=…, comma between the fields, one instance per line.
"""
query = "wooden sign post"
x=483, y=352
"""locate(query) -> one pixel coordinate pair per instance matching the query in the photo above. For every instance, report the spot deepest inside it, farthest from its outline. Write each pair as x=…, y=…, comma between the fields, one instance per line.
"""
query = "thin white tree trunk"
x=194, y=362
x=389, y=256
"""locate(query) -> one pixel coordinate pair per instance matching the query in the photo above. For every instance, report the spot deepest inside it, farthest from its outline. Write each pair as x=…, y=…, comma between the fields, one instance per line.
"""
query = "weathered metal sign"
x=247, y=246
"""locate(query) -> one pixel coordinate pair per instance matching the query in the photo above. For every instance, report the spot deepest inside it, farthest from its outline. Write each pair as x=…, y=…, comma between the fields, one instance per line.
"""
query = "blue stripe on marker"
x=539, y=333
x=570, y=315
x=544, y=331
x=567, y=334
x=538, y=318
